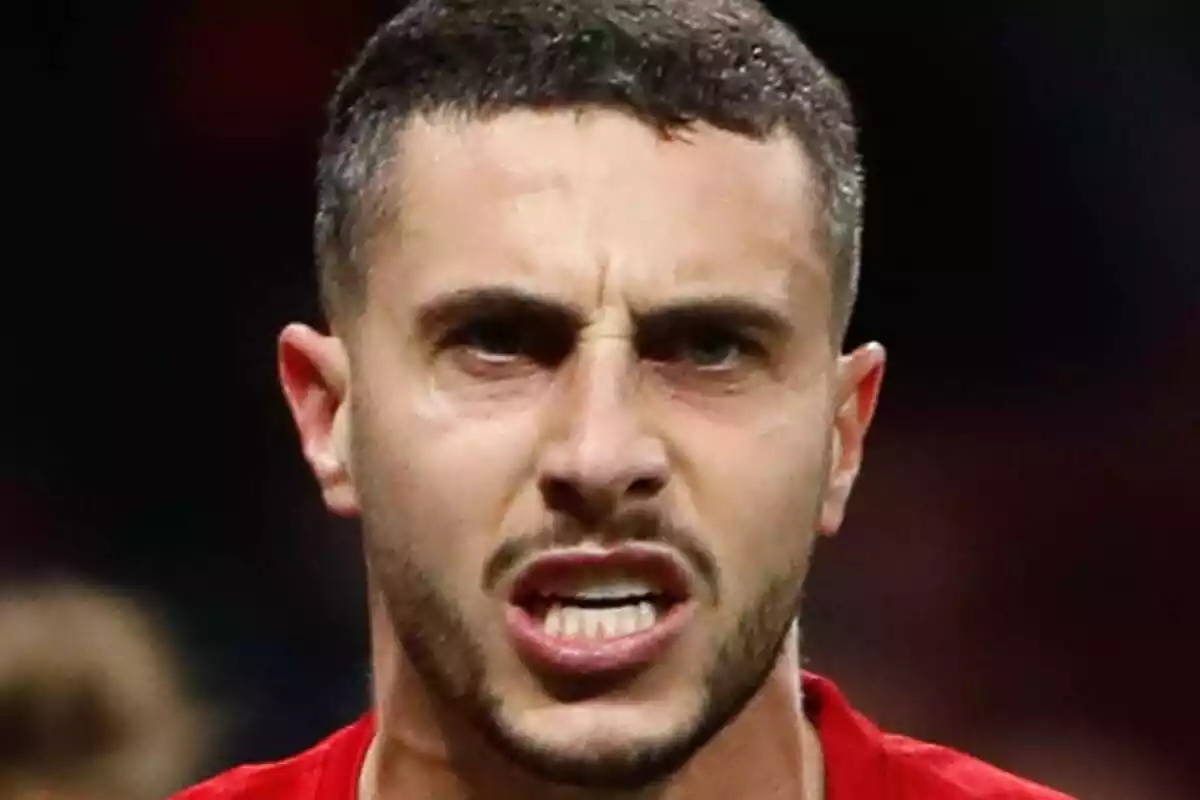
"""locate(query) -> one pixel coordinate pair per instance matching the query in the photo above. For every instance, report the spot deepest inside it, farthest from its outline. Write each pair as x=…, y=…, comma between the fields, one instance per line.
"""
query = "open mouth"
x=592, y=612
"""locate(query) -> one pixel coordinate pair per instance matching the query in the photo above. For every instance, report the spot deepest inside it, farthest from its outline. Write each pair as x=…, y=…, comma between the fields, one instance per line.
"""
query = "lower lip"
x=585, y=657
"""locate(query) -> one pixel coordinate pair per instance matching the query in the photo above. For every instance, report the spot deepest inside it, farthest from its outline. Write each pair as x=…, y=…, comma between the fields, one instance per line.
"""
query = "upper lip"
x=658, y=566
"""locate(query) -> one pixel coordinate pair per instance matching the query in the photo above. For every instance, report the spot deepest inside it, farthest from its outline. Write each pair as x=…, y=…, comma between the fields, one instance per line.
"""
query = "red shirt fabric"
x=861, y=763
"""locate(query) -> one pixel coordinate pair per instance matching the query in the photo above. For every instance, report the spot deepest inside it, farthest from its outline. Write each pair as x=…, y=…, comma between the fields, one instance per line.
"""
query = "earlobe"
x=314, y=375
x=860, y=376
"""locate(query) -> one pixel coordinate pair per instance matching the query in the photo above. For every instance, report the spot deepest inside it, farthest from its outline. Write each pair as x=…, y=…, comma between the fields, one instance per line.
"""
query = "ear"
x=859, y=377
x=314, y=371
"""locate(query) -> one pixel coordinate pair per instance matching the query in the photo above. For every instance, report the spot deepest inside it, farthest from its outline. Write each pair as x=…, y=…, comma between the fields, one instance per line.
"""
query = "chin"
x=602, y=744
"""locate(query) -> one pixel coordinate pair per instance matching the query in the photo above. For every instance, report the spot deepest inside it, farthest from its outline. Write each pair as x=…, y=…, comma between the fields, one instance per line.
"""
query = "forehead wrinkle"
x=607, y=322
x=564, y=224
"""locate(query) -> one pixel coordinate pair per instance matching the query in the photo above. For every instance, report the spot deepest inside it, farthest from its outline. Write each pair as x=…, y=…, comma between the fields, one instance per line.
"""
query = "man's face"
x=593, y=424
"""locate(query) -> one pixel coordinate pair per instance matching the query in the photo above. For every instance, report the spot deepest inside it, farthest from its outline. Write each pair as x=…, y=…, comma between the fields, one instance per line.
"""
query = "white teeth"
x=646, y=616
x=554, y=621
x=628, y=621
x=572, y=621
x=599, y=623
x=602, y=587
x=617, y=625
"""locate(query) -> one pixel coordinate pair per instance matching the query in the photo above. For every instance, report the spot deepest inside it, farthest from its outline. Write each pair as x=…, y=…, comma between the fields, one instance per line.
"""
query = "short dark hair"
x=669, y=63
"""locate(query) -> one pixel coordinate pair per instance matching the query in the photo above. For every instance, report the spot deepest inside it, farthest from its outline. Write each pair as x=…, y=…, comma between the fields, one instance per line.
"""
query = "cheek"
x=445, y=481
x=755, y=491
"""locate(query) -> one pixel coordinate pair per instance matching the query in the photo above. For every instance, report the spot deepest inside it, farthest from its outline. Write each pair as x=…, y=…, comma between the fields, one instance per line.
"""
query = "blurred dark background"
x=1017, y=576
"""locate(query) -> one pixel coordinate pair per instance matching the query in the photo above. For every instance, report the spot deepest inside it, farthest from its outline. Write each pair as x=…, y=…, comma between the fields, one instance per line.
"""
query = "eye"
x=507, y=342
x=493, y=340
x=710, y=349
x=714, y=350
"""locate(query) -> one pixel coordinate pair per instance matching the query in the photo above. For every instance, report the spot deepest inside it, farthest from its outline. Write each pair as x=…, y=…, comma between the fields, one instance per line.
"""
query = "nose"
x=605, y=456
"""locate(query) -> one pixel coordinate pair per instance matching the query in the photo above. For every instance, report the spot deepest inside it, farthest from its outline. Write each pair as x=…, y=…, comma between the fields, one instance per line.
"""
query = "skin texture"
x=576, y=332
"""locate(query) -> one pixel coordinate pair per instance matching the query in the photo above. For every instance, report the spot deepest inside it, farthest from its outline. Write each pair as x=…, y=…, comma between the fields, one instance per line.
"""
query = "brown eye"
x=493, y=340
x=715, y=350
x=508, y=341
x=706, y=349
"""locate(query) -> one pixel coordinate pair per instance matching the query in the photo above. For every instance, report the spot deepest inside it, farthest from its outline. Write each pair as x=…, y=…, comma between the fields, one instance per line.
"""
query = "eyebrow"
x=734, y=312
x=445, y=308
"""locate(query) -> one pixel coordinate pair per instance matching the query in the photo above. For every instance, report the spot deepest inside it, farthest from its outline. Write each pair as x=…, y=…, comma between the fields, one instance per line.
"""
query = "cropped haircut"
x=672, y=64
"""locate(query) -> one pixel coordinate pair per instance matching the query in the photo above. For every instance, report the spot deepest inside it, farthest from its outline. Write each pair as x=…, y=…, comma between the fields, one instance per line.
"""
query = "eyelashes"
x=496, y=333
x=706, y=348
x=498, y=343
x=499, y=340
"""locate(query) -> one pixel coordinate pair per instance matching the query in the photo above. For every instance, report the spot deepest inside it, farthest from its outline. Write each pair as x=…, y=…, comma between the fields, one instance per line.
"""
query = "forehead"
x=599, y=208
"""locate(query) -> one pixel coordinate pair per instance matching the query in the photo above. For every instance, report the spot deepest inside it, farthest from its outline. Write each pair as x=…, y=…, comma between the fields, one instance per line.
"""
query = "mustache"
x=636, y=525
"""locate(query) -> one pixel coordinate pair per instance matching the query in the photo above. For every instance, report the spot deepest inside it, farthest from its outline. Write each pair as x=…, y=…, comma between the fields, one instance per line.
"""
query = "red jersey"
x=861, y=763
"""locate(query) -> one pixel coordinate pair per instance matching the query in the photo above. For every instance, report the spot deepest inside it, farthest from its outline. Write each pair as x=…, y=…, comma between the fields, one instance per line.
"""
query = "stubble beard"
x=438, y=643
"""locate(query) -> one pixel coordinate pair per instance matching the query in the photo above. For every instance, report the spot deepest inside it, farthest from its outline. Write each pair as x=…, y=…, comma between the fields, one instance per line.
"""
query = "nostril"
x=576, y=499
x=644, y=487
x=562, y=496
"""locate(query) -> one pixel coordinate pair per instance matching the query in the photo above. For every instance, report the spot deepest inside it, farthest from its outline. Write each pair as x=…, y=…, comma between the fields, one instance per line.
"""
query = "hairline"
x=377, y=204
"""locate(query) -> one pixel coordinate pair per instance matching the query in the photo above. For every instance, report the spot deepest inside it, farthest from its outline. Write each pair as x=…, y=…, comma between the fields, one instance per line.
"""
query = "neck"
x=424, y=748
